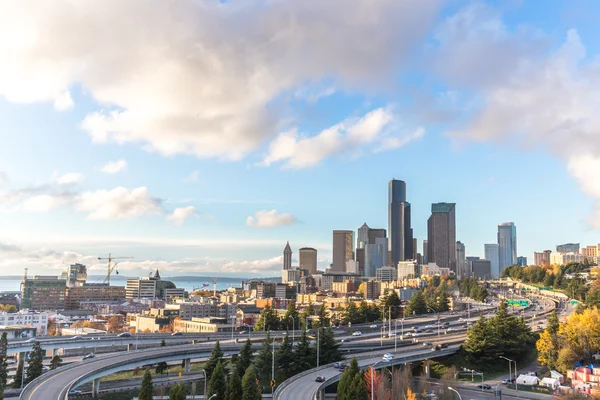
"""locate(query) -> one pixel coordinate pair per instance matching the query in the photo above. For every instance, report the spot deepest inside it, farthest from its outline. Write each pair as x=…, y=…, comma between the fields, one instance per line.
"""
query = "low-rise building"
x=152, y=324
x=387, y=274
x=90, y=293
x=203, y=325
x=247, y=315
x=25, y=318
x=372, y=290
x=18, y=332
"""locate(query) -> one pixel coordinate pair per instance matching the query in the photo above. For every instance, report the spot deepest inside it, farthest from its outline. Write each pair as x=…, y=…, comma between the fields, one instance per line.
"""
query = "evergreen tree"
x=553, y=323
x=162, y=366
x=323, y=315
x=56, y=362
x=391, y=300
x=329, y=348
x=267, y=320
x=177, y=392
x=291, y=319
x=147, y=389
x=359, y=388
x=303, y=359
x=351, y=315
x=245, y=358
x=215, y=357
x=347, y=387
x=218, y=383
x=35, y=367
x=251, y=390
x=3, y=363
x=305, y=315
x=234, y=390
x=284, y=357
x=264, y=360
x=19, y=373
x=416, y=305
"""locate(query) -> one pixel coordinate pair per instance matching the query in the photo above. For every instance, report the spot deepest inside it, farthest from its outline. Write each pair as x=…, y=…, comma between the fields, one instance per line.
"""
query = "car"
x=337, y=365
x=446, y=323
x=429, y=331
x=343, y=367
x=484, y=386
x=417, y=330
x=444, y=345
x=450, y=329
x=436, y=348
x=344, y=340
x=392, y=334
x=415, y=327
x=32, y=340
x=428, y=326
x=431, y=396
x=357, y=333
x=88, y=356
x=505, y=381
x=124, y=334
x=243, y=332
x=75, y=392
x=176, y=334
x=461, y=319
x=427, y=343
x=453, y=313
x=373, y=326
x=387, y=357
x=465, y=325
x=11, y=361
x=76, y=338
x=320, y=379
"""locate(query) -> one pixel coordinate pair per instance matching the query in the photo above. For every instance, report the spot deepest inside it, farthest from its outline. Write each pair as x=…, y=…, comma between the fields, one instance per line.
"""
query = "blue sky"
x=199, y=137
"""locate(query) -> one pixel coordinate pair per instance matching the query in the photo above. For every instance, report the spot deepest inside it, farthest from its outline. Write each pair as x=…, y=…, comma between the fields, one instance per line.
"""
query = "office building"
x=372, y=290
x=568, y=248
x=461, y=261
x=565, y=258
x=376, y=233
x=414, y=249
x=399, y=227
x=43, y=293
x=481, y=269
x=152, y=288
x=432, y=269
x=425, y=250
x=406, y=270
x=287, y=256
x=343, y=249
x=522, y=261
x=308, y=259
x=507, y=245
x=75, y=275
x=387, y=274
x=93, y=293
x=290, y=275
x=362, y=238
x=441, y=235
x=360, y=259
x=38, y=320
x=541, y=259
x=352, y=267
x=375, y=256
x=491, y=254
x=591, y=251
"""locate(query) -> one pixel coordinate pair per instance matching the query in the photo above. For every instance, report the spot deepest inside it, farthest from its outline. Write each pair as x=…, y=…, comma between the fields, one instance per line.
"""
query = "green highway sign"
x=574, y=302
x=518, y=303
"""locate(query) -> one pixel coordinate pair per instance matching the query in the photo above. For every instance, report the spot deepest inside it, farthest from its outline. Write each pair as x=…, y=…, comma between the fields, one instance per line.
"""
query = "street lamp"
x=212, y=397
x=510, y=372
x=435, y=319
x=373, y=380
x=454, y=390
x=204, y=372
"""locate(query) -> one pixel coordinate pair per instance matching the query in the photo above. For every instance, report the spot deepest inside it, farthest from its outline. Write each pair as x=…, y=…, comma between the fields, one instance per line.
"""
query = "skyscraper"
x=425, y=252
x=491, y=254
x=507, y=245
x=522, y=261
x=375, y=256
x=568, y=248
x=400, y=241
x=461, y=261
x=343, y=249
x=363, y=236
x=287, y=256
x=308, y=259
x=441, y=235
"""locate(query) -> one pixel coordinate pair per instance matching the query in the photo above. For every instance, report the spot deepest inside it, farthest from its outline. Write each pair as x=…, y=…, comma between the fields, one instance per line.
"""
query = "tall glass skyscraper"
x=441, y=235
x=400, y=241
x=491, y=254
x=507, y=245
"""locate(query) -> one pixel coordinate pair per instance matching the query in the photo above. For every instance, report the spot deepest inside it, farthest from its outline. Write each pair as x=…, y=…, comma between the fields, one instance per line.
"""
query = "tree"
x=303, y=359
x=351, y=314
x=114, y=325
x=359, y=388
x=3, y=363
x=416, y=305
x=264, y=360
x=347, y=387
x=56, y=362
x=391, y=300
x=323, y=315
x=35, y=367
x=234, y=390
x=245, y=358
x=177, y=392
x=216, y=356
x=267, y=320
x=9, y=308
x=162, y=366
x=147, y=389
x=218, y=383
x=251, y=390
x=291, y=319
x=19, y=373
x=284, y=357
x=329, y=347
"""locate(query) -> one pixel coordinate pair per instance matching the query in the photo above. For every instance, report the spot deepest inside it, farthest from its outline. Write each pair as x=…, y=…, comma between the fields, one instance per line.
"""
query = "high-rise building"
x=441, y=235
x=93, y=293
x=287, y=256
x=308, y=259
x=75, y=275
x=362, y=238
x=343, y=249
x=425, y=252
x=376, y=233
x=540, y=259
x=568, y=248
x=375, y=256
x=43, y=293
x=360, y=259
x=590, y=251
x=399, y=228
x=481, y=269
x=461, y=261
x=407, y=269
x=491, y=254
x=522, y=261
x=414, y=249
x=507, y=245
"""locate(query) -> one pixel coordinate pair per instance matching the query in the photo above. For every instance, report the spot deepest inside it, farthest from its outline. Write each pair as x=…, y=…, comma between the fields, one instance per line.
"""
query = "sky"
x=199, y=136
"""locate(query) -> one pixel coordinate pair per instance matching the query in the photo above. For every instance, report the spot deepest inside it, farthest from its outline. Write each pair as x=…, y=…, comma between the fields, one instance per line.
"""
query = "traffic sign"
x=574, y=302
x=273, y=383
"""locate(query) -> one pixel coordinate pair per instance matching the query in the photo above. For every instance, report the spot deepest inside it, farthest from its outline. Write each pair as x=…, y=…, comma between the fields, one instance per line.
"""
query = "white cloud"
x=3, y=178
x=200, y=77
x=352, y=135
x=118, y=203
x=113, y=167
x=270, y=219
x=71, y=177
x=64, y=102
x=43, y=203
x=180, y=214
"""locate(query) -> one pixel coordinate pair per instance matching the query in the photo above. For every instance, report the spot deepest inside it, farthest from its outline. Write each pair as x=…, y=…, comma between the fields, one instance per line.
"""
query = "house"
x=552, y=383
x=557, y=375
x=528, y=380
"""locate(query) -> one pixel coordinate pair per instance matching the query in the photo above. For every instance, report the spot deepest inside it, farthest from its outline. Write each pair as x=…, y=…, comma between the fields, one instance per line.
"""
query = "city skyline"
x=208, y=168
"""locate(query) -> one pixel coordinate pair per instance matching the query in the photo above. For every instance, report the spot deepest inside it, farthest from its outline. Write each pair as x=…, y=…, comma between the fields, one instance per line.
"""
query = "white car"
x=357, y=333
x=373, y=326
x=387, y=357
x=392, y=334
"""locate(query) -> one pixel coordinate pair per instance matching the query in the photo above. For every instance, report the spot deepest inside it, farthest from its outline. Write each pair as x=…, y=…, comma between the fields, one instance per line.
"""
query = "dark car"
x=436, y=348
x=320, y=379
x=176, y=334
x=485, y=386
x=429, y=331
x=88, y=356
x=124, y=334
x=444, y=345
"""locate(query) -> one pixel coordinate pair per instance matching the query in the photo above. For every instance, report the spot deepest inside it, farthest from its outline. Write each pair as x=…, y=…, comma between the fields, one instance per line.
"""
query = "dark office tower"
x=287, y=256
x=400, y=241
x=377, y=233
x=425, y=252
x=414, y=255
x=441, y=235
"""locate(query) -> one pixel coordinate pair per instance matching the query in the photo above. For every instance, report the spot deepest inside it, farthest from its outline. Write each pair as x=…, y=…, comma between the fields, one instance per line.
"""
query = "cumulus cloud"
x=3, y=178
x=43, y=203
x=270, y=219
x=525, y=92
x=70, y=178
x=113, y=167
x=118, y=203
x=180, y=214
x=172, y=79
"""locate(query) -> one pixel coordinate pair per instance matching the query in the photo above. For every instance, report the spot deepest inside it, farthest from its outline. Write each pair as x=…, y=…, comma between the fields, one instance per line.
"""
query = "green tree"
x=245, y=358
x=329, y=348
x=347, y=386
x=147, y=389
x=553, y=323
x=323, y=315
x=391, y=301
x=267, y=320
x=3, y=363
x=251, y=390
x=351, y=315
x=19, y=373
x=359, y=388
x=303, y=359
x=35, y=367
x=549, y=280
x=234, y=390
x=264, y=360
x=305, y=315
x=216, y=357
x=162, y=366
x=284, y=357
x=416, y=305
x=218, y=383
x=56, y=362
x=291, y=319
x=177, y=392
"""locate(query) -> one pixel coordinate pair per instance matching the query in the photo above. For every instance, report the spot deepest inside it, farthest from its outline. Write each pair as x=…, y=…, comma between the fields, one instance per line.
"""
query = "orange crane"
x=111, y=265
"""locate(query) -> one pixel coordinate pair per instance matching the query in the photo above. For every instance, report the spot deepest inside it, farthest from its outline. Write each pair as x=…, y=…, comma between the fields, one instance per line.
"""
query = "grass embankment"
x=173, y=370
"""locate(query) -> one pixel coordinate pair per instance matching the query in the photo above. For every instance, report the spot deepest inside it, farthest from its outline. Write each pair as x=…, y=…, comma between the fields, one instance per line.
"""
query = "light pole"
x=213, y=396
x=373, y=380
x=459, y=396
x=233, y=321
x=293, y=329
x=318, y=331
x=272, y=364
x=510, y=372
x=204, y=372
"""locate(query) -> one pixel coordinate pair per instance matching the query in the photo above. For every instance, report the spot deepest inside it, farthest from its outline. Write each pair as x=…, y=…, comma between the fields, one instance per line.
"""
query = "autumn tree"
x=114, y=325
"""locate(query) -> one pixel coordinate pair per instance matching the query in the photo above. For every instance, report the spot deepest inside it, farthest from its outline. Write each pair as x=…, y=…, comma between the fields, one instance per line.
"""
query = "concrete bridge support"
x=95, y=388
x=129, y=346
x=187, y=362
x=427, y=369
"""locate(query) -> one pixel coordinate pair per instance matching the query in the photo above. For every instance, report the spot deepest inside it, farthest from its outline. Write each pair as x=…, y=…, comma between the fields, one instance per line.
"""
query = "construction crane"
x=111, y=266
